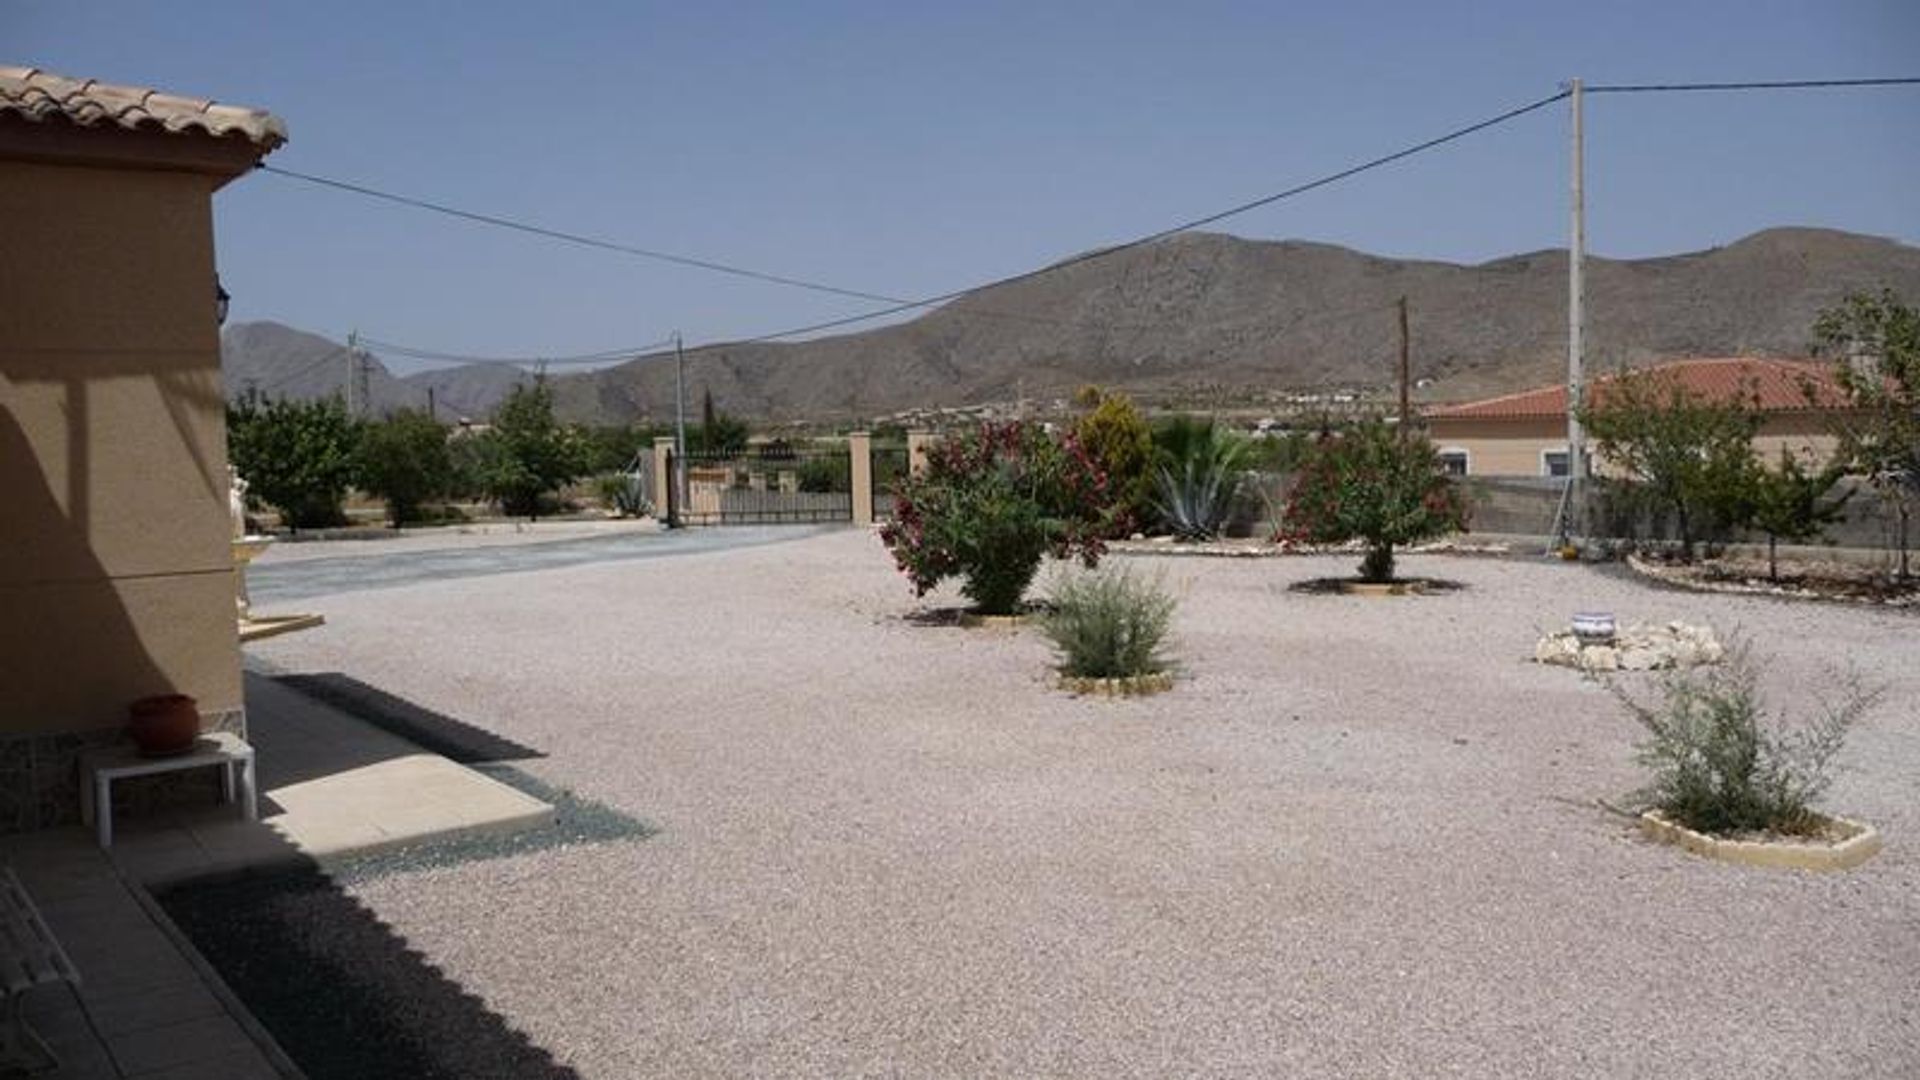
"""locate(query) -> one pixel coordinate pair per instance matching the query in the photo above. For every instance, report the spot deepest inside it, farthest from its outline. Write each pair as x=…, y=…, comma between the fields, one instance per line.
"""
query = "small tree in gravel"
x=1721, y=765
x=1678, y=451
x=990, y=505
x=1791, y=504
x=1376, y=486
x=1876, y=342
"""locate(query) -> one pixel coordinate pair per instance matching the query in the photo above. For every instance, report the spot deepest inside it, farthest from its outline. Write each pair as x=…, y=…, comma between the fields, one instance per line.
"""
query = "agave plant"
x=1198, y=477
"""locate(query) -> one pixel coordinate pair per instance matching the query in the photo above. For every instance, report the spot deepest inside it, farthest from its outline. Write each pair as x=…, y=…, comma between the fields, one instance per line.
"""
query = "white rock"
x=1639, y=659
x=1600, y=658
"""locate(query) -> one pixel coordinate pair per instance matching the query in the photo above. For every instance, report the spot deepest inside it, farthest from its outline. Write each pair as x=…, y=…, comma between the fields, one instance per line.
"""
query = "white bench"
x=29, y=957
x=100, y=767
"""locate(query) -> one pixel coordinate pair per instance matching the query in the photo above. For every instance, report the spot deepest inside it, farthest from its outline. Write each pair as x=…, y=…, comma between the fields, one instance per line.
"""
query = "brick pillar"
x=860, y=449
x=918, y=443
x=662, y=478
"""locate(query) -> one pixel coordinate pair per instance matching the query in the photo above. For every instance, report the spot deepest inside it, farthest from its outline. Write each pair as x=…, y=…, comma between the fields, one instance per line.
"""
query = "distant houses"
x=1525, y=434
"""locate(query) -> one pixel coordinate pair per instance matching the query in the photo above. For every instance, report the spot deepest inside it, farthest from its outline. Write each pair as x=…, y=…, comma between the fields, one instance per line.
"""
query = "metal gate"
x=890, y=463
x=761, y=485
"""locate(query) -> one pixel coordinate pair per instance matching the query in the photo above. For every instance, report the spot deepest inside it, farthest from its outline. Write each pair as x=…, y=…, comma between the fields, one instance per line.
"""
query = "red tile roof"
x=1779, y=386
x=40, y=96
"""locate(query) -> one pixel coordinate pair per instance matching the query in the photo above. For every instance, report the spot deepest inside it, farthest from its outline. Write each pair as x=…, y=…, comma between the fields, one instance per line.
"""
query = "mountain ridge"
x=1208, y=316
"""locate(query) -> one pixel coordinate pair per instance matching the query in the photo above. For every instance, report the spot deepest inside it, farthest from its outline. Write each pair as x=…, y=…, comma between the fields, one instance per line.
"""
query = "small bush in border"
x=990, y=505
x=1109, y=624
x=1721, y=765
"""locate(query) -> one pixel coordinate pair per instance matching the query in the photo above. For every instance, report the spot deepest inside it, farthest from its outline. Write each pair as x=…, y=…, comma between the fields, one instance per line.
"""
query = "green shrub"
x=527, y=454
x=1197, y=476
x=1119, y=441
x=404, y=460
x=1109, y=624
x=298, y=456
x=1721, y=765
x=1373, y=485
x=990, y=505
x=826, y=473
x=623, y=493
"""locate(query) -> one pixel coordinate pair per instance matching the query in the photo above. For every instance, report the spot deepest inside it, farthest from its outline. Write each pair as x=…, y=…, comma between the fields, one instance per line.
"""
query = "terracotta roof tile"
x=40, y=96
x=1779, y=385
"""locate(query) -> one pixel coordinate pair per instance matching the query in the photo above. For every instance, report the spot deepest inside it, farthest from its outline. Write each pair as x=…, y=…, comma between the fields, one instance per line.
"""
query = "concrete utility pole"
x=432, y=413
x=1406, y=378
x=353, y=350
x=1576, y=301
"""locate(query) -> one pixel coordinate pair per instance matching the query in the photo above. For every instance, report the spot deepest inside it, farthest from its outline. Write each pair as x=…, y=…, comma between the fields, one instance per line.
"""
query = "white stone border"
x=1861, y=843
x=1129, y=686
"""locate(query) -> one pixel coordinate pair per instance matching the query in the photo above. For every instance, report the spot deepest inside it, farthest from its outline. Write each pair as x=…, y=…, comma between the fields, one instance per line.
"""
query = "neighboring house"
x=117, y=580
x=1525, y=434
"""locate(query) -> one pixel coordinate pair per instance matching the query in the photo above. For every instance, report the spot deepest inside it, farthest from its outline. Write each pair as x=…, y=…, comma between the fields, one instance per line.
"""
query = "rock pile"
x=1640, y=647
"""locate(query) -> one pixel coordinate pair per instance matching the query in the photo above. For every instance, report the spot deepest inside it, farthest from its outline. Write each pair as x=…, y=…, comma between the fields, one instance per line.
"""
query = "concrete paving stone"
x=157, y=974
x=130, y=1013
x=189, y=1042
x=238, y=1064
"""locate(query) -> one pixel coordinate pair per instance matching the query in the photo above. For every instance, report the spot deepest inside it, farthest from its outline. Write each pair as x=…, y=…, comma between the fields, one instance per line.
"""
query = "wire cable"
x=1784, y=84
x=299, y=373
x=896, y=305
x=433, y=356
x=1185, y=226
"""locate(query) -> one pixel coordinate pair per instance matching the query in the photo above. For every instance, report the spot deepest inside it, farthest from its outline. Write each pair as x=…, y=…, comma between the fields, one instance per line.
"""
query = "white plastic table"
x=99, y=768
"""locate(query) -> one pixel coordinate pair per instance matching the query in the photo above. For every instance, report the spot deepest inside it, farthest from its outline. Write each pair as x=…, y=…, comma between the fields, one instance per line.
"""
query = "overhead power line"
x=1784, y=84
x=1162, y=234
x=648, y=253
x=432, y=356
x=896, y=305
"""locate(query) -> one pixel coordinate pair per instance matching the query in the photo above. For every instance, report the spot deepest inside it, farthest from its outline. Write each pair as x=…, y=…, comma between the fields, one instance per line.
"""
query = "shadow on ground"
x=1351, y=586
x=339, y=990
x=451, y=738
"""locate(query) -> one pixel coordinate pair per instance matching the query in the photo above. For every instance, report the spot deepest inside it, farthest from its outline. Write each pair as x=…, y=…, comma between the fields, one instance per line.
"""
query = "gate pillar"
x=860, y=451
x=663, y=500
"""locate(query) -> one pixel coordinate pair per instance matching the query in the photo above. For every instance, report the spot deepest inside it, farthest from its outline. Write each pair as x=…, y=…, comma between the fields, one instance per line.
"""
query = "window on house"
x=1454, y=462
x=1554, y=463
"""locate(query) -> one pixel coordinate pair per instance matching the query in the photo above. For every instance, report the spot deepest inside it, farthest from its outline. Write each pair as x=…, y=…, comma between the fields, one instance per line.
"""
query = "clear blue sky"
x=908, y=150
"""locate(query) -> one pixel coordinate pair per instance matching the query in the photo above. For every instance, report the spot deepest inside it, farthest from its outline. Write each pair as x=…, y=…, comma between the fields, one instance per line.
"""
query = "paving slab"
x=330, y=785
x=147, y=1006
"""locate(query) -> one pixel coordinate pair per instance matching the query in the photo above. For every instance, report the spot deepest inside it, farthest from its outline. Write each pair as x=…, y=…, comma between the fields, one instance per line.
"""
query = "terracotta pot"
x=163, y=724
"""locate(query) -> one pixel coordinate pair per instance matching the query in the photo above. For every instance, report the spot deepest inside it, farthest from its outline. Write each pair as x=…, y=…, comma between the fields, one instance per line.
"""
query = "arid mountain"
x=278, y=361
x=1216, y=319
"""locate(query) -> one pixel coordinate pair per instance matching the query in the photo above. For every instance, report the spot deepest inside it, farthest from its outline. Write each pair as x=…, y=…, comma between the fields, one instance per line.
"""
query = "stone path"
x=145, y=1007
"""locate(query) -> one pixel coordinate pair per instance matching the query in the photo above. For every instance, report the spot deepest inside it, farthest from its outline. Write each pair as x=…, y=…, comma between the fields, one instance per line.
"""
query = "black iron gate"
x=761, y=485
x=890, y=463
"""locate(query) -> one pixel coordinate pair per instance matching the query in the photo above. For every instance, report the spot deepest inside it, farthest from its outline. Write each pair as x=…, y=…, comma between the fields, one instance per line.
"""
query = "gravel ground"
x=1357, y=840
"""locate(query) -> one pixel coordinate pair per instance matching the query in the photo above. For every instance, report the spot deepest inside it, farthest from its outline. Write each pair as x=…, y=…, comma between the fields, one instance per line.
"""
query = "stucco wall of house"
x=117, y=580
x=1515, y=447
x=1500, y=447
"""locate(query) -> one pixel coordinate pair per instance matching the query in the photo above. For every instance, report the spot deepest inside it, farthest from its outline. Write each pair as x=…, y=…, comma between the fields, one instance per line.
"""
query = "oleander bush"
x=1377, y=486
x=1109, y=624
x=1722, y=764
x=991, y=504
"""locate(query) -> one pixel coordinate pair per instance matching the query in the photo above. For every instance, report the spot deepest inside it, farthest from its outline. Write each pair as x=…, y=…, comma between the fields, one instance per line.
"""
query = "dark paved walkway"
x=271, y=583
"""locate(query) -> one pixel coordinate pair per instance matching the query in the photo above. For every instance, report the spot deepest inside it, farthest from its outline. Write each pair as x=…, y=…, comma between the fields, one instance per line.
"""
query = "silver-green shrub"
x=1722, y=764
x=1109, y=624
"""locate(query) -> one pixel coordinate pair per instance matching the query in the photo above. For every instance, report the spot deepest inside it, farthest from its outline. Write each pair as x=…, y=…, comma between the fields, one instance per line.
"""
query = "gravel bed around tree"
x=1358, y=839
